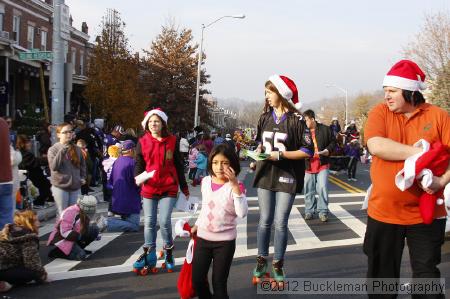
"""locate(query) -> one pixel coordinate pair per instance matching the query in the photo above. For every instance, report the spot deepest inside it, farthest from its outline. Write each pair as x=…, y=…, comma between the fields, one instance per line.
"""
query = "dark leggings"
x=19, y=275
x=221, y=253
x=192, y=172
x=351, y=171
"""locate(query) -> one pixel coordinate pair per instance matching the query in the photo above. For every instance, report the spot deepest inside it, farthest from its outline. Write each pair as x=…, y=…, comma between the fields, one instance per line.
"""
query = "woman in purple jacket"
x=126, y=198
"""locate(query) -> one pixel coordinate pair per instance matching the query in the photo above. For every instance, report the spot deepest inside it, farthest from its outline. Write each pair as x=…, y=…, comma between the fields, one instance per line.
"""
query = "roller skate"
x=146, y=262
x=260, y=272
x=169, y=262
x=277, y=274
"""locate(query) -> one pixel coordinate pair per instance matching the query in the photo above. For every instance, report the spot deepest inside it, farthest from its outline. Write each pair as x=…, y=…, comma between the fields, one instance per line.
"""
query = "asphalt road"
x=315, y=250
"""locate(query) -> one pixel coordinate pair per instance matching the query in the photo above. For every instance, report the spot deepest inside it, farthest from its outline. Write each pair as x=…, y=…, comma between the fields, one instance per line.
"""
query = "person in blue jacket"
x=126, y=198
x=201, y=161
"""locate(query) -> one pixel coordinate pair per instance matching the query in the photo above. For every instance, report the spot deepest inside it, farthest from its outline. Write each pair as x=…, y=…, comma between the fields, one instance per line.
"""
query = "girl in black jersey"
x=280, y=133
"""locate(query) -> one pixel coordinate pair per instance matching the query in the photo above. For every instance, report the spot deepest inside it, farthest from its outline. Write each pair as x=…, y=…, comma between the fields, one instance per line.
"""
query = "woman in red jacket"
x=158, y=151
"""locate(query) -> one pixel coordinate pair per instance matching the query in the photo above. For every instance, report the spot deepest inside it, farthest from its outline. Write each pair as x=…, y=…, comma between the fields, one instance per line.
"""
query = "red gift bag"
x=185, y=287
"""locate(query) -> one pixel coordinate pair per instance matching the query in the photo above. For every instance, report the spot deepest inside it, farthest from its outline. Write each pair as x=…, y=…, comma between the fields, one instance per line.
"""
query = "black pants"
x=351, y=169
x=221, y=253
x=19, y=275
x=43, y=185
x=192, y=172
x=107, y=193
x=384, y=243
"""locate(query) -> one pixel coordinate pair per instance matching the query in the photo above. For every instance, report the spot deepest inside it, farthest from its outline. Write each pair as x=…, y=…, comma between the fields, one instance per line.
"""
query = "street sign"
x=36, y=55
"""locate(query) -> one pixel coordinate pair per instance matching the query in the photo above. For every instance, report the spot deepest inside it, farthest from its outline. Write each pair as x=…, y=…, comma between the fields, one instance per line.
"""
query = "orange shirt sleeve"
x=376, y=123
x=445, y=129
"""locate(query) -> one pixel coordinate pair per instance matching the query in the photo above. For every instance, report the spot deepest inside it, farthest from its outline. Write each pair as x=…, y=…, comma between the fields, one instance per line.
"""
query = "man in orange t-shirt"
x=393, y=216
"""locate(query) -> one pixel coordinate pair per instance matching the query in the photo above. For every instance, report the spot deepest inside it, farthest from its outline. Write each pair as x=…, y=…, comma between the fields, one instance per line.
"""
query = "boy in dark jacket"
x=317, y=168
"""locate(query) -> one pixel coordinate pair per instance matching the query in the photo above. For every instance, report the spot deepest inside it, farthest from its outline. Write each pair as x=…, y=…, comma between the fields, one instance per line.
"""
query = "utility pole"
x=57, y=83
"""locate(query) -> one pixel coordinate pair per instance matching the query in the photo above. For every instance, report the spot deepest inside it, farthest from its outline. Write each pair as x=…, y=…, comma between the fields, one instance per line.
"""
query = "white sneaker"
x=354, y=180
x=102, y=223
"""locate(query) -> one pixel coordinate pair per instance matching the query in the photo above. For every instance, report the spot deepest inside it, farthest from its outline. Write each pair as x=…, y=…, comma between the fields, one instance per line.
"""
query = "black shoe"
x=56, y=253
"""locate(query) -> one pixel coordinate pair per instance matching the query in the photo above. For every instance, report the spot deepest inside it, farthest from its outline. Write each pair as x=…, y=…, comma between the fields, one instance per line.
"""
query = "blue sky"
x=348, y=43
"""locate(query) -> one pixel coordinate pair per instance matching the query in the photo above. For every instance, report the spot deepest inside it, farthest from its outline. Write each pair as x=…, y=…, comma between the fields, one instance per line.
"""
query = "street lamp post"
x=346, y=99
x=200, y=58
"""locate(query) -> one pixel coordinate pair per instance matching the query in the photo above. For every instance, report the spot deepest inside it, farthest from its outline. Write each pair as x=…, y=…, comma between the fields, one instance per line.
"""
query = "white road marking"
x=304, y=237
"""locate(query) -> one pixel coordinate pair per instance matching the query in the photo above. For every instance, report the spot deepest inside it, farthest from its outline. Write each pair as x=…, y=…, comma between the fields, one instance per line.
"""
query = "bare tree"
x=431, y=50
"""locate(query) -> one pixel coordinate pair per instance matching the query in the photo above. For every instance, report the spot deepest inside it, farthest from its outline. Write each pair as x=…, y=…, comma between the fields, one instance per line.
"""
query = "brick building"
x=26, y=25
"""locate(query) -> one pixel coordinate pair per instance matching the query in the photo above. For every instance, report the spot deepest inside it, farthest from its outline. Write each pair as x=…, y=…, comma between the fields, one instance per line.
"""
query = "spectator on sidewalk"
x=229, y=141
x=193, y=152
x=113, y=154
x=72, y=231
x=19, y=251
x=184, y=145
x=335, y=126
x=208, y=143
x=12, y=133
x=85, y=189
x=351, y=132
x=109, y=139
x=34, y=171
x=317, y=168
x=44, y=139
x=130, y=134
x=219, y=139
x=6, y=177
x=126, y=198
x=67, y=168
x=202, y=163
x=16, y=158
x=352, y=150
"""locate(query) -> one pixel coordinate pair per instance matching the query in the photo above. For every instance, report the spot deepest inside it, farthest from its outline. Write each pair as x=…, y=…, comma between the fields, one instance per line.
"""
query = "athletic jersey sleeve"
x=306, y=143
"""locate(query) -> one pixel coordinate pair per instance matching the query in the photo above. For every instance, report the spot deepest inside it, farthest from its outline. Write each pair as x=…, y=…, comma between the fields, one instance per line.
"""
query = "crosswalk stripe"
x=61, y=265
x=304, y=237
x=348, y=219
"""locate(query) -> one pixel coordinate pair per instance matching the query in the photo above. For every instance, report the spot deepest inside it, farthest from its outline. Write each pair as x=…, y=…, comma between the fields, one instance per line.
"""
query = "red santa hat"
x=287, y=89
x=148, y=114
x=406, y=75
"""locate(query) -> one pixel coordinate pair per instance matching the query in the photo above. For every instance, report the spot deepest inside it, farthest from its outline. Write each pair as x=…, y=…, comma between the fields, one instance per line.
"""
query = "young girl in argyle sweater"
x=223, y=199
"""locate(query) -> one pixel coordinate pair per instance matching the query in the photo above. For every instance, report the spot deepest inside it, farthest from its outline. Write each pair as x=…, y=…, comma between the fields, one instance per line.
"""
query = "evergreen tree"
x=113, y=86
x=170, y=76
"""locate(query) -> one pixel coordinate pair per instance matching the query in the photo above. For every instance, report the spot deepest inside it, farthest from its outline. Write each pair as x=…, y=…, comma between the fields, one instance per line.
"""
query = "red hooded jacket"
x=164, y=157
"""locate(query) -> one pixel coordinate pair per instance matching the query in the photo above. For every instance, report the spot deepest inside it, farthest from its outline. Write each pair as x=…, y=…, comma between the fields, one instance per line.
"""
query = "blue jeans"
x=316, y=183
x=150, y=206
x=273, y=207
x=128, y=223
x=6, y=204
x=64, y=199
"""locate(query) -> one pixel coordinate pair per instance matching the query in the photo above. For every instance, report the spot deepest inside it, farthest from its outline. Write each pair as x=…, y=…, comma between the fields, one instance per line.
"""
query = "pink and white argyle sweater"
x=217, y=219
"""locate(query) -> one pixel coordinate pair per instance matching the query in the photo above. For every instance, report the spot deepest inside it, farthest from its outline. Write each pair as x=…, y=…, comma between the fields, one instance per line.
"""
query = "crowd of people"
x=149, y=172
